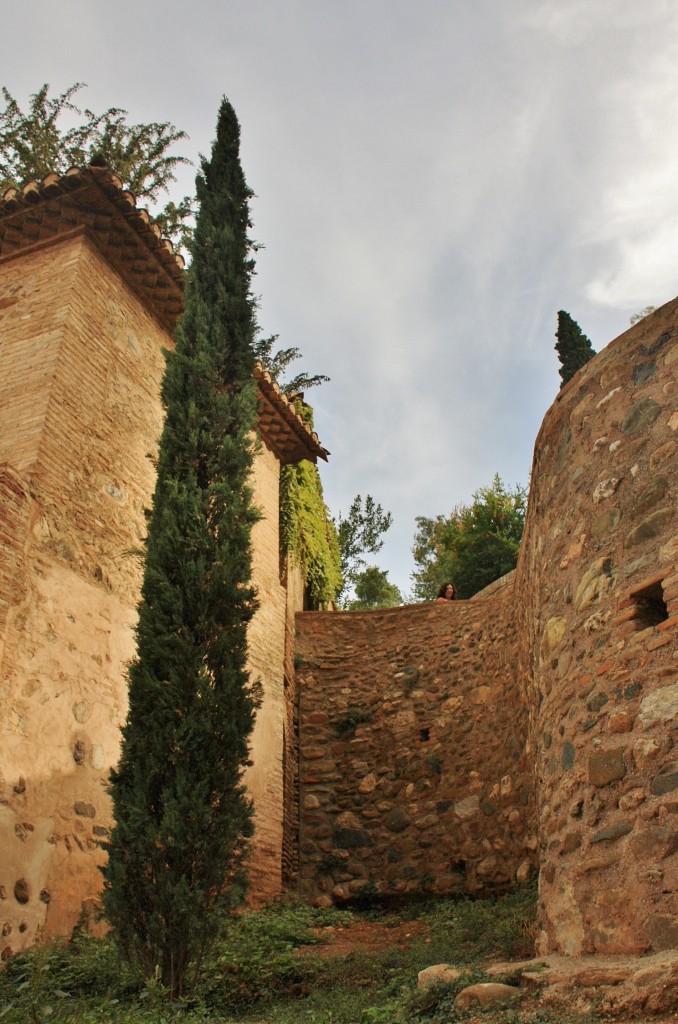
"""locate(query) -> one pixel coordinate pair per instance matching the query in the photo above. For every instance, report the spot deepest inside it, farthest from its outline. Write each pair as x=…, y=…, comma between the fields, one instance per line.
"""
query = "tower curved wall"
x=597, y=593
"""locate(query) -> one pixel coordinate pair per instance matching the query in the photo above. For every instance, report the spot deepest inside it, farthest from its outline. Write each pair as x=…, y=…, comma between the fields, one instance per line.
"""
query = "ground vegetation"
x=288, y=964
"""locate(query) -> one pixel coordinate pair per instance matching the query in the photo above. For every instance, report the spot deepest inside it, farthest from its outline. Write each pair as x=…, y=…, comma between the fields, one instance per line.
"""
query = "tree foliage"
x=37, y=141
x=573, y=347
x=277, y=363
x=182, y=817
x=473, y=546
x=361, y=532
x=373, y=589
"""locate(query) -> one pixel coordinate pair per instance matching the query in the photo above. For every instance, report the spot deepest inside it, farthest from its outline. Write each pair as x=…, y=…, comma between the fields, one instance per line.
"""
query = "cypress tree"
x=182, y=817
x=573, y=347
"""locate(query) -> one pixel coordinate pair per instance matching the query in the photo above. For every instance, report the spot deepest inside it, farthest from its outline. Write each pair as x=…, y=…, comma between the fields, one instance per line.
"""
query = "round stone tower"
x=597, y=591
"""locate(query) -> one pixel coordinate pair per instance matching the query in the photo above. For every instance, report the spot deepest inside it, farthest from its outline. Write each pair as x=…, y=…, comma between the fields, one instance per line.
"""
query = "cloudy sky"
x=434, y=181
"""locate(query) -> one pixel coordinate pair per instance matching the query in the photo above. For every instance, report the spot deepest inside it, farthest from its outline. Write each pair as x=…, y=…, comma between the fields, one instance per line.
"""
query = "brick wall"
x=267, y=641
x=80, y=370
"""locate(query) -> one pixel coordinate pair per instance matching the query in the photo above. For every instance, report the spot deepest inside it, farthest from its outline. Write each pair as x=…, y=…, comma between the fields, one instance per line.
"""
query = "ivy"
x=307, y=532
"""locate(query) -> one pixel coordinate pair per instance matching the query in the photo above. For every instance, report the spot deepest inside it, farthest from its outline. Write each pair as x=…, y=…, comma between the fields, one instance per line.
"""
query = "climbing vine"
x=307, y=532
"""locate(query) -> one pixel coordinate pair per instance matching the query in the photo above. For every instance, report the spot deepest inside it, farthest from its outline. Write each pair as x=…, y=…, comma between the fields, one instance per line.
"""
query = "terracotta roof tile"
x=281, y=426
x=93, y=198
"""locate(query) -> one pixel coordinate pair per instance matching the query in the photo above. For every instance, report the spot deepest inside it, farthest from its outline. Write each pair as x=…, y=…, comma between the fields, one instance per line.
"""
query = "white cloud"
x=434, y=182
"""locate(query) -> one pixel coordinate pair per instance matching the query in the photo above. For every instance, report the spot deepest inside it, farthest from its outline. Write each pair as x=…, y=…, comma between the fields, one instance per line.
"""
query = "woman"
x=447, y=592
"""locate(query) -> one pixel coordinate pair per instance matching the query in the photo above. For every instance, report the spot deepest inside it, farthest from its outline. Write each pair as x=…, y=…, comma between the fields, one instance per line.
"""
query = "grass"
x=256, y=975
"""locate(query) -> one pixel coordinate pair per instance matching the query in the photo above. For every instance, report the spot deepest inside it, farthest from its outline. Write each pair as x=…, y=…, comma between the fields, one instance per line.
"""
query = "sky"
x=433, y=182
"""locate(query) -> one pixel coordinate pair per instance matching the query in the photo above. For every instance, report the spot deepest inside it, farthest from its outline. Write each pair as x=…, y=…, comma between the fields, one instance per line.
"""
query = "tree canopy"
x=473, y=546
x=182, y=817
x=37, y=141
x=277, y=363
x=361, y=532
x=373, y=589
x=573, y=347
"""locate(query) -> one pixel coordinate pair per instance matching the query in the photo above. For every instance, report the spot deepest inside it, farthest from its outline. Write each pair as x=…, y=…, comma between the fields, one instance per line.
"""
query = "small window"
x=649, y=607
x=424, y=735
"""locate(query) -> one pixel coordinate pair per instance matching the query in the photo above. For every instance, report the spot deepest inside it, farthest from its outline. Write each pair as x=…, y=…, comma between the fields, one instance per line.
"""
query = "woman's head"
x=448, y=591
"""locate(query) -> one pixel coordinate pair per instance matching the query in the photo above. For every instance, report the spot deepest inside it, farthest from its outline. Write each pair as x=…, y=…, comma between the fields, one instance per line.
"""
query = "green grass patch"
x=257, y=975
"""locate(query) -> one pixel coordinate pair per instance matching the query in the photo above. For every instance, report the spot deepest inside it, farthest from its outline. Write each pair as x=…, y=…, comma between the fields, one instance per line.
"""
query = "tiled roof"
x=93, y=198
x=281, y=426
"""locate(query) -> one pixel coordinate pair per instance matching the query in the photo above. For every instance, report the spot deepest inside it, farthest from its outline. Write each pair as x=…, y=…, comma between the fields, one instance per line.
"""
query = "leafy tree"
x=182, y=817
x=374, y=590
x=573, y=347
x=359, y=533
x=637, y=317
x=473, y=546
x=276, y=363
x=34, y=143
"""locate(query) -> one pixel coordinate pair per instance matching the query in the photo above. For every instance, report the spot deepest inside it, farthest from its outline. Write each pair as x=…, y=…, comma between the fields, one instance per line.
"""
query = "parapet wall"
x=413, y=777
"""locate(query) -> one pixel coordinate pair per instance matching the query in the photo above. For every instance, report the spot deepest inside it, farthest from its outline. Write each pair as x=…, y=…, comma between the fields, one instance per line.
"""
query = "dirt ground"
x=363, y=937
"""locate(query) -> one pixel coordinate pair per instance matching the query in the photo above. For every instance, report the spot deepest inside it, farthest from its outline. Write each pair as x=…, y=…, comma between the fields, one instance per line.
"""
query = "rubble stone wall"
x=413, y=777
x=416, y=756
x=597, y=591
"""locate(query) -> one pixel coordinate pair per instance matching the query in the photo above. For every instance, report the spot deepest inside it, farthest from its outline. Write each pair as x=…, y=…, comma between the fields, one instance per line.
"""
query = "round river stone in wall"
x=666, y=780
x=606, y=522
x=662, y=931
x=659, y=706
x=397, y=821
x=606, y=766
x=640, y=415
x=22, y=892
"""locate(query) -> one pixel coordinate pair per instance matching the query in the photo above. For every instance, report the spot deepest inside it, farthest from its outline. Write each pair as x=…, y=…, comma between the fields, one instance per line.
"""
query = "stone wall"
x=598, y=593
x=80, y=370
x=416, y=754
x=412, y=767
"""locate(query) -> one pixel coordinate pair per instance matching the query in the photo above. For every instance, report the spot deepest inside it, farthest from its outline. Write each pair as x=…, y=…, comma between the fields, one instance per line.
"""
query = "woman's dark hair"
x=443, y=588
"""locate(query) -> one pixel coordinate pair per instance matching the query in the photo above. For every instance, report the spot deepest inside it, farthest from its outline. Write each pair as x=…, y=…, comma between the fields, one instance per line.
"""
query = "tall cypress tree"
x=573, y=347
x=182, y=817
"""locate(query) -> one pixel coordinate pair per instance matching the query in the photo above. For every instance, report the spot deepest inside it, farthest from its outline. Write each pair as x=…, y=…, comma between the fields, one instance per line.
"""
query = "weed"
x=411, y=678
x=435, y=763
x=354, y=716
